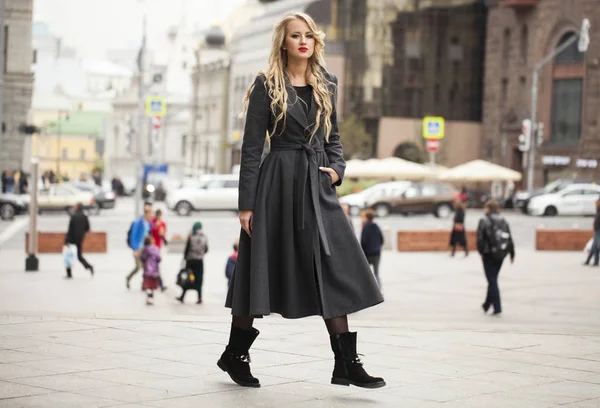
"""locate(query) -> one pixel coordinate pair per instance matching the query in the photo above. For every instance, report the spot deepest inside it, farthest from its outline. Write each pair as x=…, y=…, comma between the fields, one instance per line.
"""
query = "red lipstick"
x=302, y=49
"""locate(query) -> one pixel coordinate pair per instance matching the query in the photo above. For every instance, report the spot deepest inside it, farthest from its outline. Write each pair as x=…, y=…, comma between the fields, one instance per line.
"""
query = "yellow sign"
x=156, y=106
x=236, y=135
x=433, y=127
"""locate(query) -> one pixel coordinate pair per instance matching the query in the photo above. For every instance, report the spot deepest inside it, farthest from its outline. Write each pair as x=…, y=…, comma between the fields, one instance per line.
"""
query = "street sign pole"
x=32, y=262
x=432, y=158
x=141, y=118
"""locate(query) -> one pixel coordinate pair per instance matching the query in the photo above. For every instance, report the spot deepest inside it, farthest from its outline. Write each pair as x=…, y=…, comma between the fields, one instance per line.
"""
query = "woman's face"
x=299, y=40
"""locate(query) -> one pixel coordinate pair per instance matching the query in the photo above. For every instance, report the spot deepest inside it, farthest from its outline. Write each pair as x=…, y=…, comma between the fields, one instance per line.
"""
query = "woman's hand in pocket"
x=332, y=173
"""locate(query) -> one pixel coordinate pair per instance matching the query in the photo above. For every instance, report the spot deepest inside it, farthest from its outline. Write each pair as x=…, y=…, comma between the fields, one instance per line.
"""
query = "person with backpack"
x=494, y=243
x=371, y=241
x=230, y=266
x=195, y=249
x=138, y=231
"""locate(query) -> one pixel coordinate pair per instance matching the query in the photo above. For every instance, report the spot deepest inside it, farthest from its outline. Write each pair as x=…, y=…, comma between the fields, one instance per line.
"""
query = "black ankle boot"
x=69, y=276
x=235, y=360
x=348, y=369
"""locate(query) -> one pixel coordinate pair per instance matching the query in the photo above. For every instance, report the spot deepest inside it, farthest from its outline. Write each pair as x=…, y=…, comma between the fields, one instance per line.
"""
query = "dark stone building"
x=520, y=33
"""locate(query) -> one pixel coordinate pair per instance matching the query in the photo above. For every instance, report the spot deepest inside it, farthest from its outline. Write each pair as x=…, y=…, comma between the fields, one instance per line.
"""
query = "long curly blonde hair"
x=315, y=76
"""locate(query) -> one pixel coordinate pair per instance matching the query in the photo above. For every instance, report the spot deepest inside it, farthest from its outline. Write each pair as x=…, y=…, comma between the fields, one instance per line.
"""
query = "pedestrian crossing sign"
x=156, y=106
x=433, y=127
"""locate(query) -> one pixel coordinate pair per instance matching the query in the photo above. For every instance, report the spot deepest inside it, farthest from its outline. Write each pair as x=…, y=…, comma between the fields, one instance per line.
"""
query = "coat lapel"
x=295, y=106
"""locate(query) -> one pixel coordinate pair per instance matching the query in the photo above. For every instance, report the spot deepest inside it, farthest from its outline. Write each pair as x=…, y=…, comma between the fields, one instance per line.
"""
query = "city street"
x=91, y=343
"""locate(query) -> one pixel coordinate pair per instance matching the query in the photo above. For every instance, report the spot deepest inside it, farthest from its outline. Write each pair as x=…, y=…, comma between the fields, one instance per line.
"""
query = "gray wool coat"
x=303, y=258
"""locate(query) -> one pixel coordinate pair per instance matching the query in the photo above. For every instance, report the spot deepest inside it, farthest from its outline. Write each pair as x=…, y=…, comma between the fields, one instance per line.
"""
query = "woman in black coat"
x=458, y=235
x=297, y=254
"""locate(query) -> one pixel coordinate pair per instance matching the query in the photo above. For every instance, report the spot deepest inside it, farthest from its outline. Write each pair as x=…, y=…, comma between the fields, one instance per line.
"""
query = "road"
x=89, y=342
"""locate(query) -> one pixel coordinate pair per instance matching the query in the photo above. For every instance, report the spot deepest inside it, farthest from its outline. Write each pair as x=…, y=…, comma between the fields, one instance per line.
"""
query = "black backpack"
x=500, y=239
x=128, y=240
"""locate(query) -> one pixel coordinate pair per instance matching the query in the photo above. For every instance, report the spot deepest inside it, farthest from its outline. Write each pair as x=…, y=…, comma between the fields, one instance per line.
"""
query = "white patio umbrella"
x=394, y=167
x=480, y=170
x=355, y=167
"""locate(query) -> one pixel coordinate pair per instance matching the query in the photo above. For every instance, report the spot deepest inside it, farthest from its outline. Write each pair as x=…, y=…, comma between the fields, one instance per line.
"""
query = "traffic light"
x=525, y=136
x=540, y=134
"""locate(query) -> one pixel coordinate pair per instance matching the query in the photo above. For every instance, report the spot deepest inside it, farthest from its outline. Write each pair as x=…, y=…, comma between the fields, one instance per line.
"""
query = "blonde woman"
x=298, y=255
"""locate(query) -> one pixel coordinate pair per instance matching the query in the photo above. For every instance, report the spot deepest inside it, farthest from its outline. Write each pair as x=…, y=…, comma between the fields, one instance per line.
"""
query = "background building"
x=520, y=34
x=17, y=81
x=409, y=59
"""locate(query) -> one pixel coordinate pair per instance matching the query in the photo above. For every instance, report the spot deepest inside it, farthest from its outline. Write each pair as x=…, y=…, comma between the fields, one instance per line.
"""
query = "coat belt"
x=308, y=173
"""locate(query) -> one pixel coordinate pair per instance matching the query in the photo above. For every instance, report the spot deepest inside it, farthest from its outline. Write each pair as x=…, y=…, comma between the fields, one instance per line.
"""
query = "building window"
x=64, y=154
x=566, y=111
x=5, y=49
x=506, y=49
x=523, y=86
x=524, y=44
x=504, y=90
x=567, y=95
x=82, y=154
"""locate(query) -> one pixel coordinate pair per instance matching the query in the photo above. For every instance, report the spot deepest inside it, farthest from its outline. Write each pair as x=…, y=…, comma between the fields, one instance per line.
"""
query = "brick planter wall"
x=52, y=242
x=412, y=241
x=562, y=240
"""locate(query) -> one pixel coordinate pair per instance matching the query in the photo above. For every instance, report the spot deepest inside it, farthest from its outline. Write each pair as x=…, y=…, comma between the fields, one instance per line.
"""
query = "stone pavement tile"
x=560, y=392
x=125, y=376
x=404, y=377
x=550, y=372
x=383, y=397
x=57, y=399
x=67, y=365
x=62, y=382
x=497, y=400
x=119, y=360
x=267, y=358
x=592, y=378
x=440, y=368
x=294, y=372
x=12, y=371
x=195, y=354
x=53, y=350
x=12, y=390
x=51, y=326
x=575, y=364
x=17, y=342
x=517, y=380
x=449, y=390
x=311, y=389
x=176, y=369
x=126, y=393
x=591, y=403
x=249, y=397
x=16, y=356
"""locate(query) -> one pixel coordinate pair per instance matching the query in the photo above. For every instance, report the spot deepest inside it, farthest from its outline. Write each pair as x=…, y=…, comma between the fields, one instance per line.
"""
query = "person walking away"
x=138, y=231
x=150, y=259
x=23, y=183
x=230, y=266
x=371, y=241
x=595, y=251
x=195, y=249
x=494, y=243
x=79, y=226
x=298, y=256
x=458, y=235
x=158, y=231
x=3, y=180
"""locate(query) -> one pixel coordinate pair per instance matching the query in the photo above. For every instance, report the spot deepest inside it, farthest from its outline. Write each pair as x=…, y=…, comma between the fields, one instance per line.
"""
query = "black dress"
x=303, y=258
x=458, y=237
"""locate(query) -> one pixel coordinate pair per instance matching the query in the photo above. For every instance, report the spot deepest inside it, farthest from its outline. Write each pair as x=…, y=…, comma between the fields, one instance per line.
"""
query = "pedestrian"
x=23, y=183
x=3, y=179
x=595, y=250
x=346, y=209
x=158, y=231
x=298, y=255
x=195, y=249
x=138, y=232
x=458, y=235
x=371, y=241
x=79, y=226
x=10, y=182
x=494, y=243
x=230, y=266
x=150, y=259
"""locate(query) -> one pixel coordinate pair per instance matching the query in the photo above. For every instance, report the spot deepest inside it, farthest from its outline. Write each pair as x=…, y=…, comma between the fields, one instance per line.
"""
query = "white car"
x=359, y=201
x=63, y=197
x=575, y=199
x=216, y=192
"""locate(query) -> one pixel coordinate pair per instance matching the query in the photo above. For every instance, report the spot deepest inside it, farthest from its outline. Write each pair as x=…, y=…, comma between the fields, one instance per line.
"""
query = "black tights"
x=335, y=325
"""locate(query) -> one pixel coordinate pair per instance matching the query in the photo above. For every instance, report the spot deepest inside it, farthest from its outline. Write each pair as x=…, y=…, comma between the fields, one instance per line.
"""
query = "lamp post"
x=584, y=41
x=32, y=262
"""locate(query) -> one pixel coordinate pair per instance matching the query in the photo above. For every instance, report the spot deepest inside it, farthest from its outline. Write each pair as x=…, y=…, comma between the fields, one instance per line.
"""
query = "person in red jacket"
x=159, y=234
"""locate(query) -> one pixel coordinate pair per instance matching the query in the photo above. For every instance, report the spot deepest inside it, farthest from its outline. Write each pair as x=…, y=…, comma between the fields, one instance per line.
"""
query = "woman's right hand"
x=246, y=217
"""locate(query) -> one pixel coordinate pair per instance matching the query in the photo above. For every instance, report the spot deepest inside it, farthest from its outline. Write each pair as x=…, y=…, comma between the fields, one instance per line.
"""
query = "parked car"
x=11, y=205
x=522, y=198
x=62, y=197
x=358, y=201
x=216, y=192
x=105, y=199
x=422, y=197
x=575, y=199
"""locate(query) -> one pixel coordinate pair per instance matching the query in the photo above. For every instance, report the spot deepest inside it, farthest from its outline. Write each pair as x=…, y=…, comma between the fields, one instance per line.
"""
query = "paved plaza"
x=91, y=343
